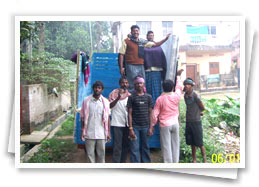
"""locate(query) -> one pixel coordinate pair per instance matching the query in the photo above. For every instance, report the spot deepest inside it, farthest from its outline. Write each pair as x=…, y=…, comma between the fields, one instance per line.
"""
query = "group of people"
x=133, y=114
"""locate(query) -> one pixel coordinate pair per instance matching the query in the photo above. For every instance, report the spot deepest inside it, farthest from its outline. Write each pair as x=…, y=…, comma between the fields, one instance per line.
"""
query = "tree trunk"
x=41, y=36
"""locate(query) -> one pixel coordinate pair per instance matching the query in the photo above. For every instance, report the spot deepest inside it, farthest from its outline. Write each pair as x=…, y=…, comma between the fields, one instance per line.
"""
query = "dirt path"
x=80, y=156
x=221, y=95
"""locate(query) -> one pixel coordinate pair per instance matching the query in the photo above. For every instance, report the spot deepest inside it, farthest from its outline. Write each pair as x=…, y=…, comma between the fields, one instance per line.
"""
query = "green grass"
x=56, y=150
x=67, y=128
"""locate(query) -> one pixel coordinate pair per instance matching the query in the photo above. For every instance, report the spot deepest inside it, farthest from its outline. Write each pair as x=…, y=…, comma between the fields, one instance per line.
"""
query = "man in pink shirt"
x=166, y=113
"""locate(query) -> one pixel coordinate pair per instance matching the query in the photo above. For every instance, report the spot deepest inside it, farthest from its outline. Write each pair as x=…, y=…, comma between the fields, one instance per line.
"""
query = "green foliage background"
x=217, y=110
x=46, y=49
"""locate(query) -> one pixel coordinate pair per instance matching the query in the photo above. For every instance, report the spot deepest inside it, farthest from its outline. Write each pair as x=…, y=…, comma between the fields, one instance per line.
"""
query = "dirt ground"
x=221, y=95
x=80, y=155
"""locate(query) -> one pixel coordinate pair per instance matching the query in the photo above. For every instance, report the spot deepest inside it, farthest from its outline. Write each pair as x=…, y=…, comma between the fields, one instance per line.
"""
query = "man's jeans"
x=120, y=144
x=139, y=148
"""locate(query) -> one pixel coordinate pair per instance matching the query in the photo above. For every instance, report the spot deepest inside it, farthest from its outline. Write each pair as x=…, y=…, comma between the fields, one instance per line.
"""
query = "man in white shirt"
x=95, y=123
x=118, y=103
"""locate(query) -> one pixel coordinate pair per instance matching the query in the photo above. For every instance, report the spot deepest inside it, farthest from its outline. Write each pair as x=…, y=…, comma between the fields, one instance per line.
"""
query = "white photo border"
x=239, y=19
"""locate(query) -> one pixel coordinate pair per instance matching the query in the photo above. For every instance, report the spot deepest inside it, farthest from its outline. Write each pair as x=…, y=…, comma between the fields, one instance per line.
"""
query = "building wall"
x=202, y=60
x=38, y=106
x=225, y=31
x=37, y=99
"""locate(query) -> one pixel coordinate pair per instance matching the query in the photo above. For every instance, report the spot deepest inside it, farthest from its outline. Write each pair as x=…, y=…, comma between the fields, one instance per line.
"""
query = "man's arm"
x=130, y=117
x=151, y=129
x=82, y=126
x=121, y=58
x=122, y=52
x=113, y=103
x=200, y=103
x=150, y=111
x=109, y=130
x=131, y=131
x=150, y=116
x=179, y=85
x=162, y=41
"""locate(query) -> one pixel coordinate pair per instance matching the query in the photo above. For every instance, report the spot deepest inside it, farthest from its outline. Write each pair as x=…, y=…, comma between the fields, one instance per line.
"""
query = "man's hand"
x=201, y=113
x=120, y=92
x=108, y=138
x=167, y=36
x=81, y=136
x=150, y=131
x=122, y=71
x=179, y=72
x=132, y=135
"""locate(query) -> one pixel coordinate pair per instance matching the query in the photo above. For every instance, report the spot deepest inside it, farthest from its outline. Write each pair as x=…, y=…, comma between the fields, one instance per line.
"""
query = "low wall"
x=38, y=107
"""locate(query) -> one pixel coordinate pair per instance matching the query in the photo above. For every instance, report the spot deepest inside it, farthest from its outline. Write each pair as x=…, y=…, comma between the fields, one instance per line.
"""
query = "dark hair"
x=122, y=78
x=168, y=85
x=98, y=83
x=133, y=27
x=150, y=32
x=189, y=81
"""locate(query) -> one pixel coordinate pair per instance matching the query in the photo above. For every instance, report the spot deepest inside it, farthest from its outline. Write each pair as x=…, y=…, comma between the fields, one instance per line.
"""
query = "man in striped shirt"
x=140, y=108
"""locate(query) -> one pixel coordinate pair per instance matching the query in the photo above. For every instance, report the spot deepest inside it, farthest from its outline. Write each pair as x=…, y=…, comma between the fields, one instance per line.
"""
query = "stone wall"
x=38, y=107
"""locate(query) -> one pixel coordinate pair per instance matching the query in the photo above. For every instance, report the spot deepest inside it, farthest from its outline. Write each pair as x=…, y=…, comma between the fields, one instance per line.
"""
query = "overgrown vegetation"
x=67, y=127
x=56, y=150
x=217, y=111
x=227, y=110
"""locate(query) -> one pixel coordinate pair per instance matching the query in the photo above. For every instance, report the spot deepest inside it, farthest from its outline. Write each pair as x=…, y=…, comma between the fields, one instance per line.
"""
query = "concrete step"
x=34, y=138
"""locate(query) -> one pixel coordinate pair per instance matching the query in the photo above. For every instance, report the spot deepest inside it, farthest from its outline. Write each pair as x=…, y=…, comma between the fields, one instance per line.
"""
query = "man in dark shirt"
x=194, y=108
x=140, y=107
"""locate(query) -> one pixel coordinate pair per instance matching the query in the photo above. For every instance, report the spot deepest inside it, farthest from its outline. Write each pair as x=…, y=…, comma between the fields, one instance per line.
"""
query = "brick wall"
x=38, y=107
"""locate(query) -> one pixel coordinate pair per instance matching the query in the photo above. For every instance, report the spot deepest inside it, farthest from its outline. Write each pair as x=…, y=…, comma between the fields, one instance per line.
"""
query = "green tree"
x=49, y=45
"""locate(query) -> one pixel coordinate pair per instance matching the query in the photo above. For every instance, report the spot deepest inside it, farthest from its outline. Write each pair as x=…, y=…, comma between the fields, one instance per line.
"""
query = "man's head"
x=124, y=84
x=134, y=31
x=139, y=83
x=98, y=88
x=150, y=36
x=188, y=85
x=168, y=85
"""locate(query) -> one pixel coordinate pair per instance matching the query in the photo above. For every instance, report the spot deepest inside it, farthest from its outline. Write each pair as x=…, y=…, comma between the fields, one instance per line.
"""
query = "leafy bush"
x=223, y=110
x=47, y=69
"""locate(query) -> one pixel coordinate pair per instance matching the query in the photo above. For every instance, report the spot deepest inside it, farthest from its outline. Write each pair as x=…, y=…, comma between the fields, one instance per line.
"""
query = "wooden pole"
x=77, y=78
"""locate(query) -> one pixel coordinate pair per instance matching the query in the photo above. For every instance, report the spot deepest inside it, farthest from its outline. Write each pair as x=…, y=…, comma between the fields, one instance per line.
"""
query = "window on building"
x=144, y=27
x=214, y=67
x=212, y=30
x=167, y=27
x=202, y=29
